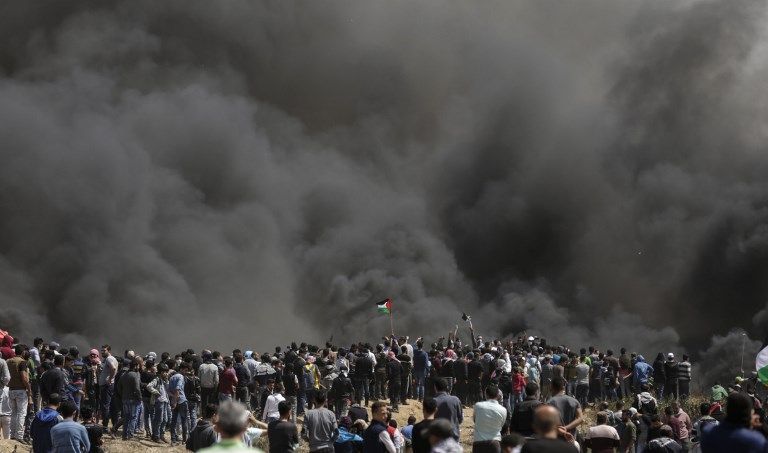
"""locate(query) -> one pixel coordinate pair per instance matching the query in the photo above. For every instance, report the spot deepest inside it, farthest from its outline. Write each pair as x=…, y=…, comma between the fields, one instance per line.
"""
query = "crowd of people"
x=526, y=396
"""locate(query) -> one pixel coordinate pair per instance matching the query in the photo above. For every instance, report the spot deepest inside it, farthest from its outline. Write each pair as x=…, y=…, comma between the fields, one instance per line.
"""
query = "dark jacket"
x=449, y=408
x=129, y=386
x=52, y=381
x=363, y=367
x=40, y=430
x=341, y=387
x=202, y=436
x=394, y=370
x=371, y=443
x=522, y=417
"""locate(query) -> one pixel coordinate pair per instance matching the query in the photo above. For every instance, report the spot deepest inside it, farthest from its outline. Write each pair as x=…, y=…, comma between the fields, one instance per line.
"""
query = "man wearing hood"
x=643, y=372
x=40, y=430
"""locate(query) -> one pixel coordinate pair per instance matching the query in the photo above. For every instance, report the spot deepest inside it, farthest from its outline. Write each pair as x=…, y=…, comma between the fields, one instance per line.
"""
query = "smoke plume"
x=186, y=173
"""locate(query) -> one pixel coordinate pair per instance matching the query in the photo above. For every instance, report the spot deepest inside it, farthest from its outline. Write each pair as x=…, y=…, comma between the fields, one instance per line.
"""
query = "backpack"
x=647, y=406
x=192, y=388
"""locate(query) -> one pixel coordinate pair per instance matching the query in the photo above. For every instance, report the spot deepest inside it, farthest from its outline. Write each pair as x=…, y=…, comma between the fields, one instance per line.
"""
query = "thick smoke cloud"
x=592, y=172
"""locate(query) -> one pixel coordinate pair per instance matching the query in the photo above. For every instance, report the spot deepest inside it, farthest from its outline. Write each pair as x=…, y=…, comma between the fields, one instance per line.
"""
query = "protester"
x=489, y=417
x=128, y=390
x=347, y=442
x=158, y=388
x=40, y=430
x=282, y=433
x=448, y=406
x=419, y=441
x=548, y=438
x=665, y=443
x=602, y=438
x=684, y=377
x=376, y=438
x=441, y=438
x=95, y=430
x=67, y=436
x=107, y=387
x=522, y=417
x=179, y=404
x=321, y=426
x=681, y=425
x=627, y=432
x=19, y=392
x=231, y=424
x=734, y=433
x=568, y=407
x=271, y=410
x=203, y=435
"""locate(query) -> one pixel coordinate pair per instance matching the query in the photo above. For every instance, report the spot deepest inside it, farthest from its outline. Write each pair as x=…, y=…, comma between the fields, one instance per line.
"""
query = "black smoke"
x=591, y=172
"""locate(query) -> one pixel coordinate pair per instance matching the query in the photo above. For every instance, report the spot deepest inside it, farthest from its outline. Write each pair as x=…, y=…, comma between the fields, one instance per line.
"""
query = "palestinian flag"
x=761, y=363
x=385, y=306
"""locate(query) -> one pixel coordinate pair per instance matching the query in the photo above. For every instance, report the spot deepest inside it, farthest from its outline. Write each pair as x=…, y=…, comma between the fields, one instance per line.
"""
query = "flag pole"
x=391, y=324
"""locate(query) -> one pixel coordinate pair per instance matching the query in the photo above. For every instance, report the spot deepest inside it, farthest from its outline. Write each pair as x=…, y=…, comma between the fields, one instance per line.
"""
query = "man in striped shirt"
x=684, y=377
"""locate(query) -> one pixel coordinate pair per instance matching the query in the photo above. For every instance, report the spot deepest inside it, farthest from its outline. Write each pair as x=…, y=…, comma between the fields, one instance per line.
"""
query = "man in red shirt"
x=227, y=380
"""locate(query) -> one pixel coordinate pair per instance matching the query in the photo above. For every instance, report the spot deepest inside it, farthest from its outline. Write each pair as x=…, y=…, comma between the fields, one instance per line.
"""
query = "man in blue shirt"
x=734, y=433
x=179, y=403
x=68, y=436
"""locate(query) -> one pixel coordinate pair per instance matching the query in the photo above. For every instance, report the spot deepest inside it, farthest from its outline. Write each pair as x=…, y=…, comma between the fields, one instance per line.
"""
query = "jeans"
x=419, y=381
x=362, y=390
x=582, y=394
x=405, y=386
x=380, y=386
x=293, y=402
x=208, y=396
x=301, y=401
x=106, y=392
x=148, y=412
x=180, y=415
x=394, y=392
x=36, y=398
x=131, y=414
x=659, y=390
x=192, y=414
x=19, y=401
x=160, y=419
x=242, y=396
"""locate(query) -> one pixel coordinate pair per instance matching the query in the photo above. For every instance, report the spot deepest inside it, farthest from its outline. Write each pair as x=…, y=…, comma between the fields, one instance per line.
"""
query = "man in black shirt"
x=522, y=417
x=282, y=433
x=53, y=380
x=419, y=442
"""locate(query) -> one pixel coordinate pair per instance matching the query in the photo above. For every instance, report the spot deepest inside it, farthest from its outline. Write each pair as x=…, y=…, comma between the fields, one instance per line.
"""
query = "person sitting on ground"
x=407, y=430
x=347, y=442
x=203, y=435
x=549, y=437
x=231, y=423
x=734, y=433
x=602, y=438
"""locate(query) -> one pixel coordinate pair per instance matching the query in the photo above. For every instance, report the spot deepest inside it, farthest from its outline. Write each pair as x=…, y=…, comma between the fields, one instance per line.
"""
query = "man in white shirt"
x=271, y=410
x=489, y=417
x=209, y=380
x=602, y=436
